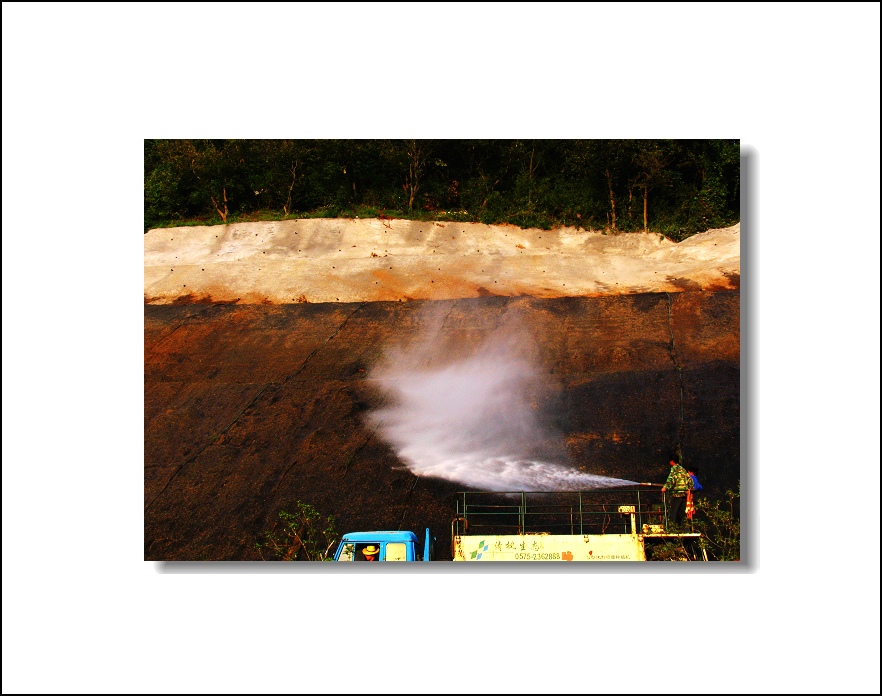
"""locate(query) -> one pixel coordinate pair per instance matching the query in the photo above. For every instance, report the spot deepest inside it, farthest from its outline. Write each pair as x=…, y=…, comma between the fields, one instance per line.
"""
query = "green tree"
x=169, y=182
x=720, y=526
x=488, y=172
x=614, y=158
x=304, y=534
x=606, y=168
x=274, y=172
x=290, y=162
x=216, y=166
x=417, y=152
x=530, y=202
x=711, y=168
x=651, y=159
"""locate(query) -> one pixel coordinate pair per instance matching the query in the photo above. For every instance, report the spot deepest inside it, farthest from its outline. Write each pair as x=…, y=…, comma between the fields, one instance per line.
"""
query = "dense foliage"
x=304, y=534
x=675, y=187
x=718, y=520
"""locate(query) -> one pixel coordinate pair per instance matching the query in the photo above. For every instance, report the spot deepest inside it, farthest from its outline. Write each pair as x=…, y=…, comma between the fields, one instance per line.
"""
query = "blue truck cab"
x=393, y=546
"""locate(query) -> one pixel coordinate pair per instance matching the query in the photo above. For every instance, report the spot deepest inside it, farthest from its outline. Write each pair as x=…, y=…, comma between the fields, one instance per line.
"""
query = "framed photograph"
x=442, y=350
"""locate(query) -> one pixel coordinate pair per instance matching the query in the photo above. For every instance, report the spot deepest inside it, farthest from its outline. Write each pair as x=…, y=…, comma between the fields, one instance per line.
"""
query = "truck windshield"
x=347, y=552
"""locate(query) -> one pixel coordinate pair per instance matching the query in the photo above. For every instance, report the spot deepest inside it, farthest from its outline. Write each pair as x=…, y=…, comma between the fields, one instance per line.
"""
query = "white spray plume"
x=476, y=417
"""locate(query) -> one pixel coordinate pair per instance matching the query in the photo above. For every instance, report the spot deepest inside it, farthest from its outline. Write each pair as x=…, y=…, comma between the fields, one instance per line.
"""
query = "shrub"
x=720, y=526
x=301, y=535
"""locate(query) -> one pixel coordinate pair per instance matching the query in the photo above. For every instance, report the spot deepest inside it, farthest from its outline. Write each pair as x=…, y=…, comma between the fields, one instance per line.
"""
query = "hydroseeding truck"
x=622, y=524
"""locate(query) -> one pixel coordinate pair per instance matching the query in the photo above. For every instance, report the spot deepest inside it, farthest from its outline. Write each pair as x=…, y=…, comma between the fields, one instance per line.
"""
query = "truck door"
x=369, y=551
x=351, y=551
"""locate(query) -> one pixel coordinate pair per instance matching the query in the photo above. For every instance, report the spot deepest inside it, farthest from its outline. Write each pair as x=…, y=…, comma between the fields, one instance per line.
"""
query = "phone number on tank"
x=537, y=556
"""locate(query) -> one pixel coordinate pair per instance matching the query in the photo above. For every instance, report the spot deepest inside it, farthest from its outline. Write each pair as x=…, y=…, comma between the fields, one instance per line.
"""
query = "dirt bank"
x=343, y=260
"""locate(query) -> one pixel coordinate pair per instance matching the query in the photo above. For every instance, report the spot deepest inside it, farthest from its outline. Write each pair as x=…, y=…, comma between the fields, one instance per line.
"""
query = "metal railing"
x=603, y=511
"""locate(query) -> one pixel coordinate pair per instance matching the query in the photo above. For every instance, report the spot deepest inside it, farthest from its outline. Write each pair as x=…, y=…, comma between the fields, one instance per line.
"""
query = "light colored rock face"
x=343, y=260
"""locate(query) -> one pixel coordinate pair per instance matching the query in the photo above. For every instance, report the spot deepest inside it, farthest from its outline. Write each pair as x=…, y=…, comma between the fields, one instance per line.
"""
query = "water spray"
x=476, y=419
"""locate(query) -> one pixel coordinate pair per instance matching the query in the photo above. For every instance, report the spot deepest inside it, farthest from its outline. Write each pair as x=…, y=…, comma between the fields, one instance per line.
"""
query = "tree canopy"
x=674, y=187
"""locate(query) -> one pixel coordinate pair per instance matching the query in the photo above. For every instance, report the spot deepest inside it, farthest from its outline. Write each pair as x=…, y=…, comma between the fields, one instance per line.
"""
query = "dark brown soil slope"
x=249, y=408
